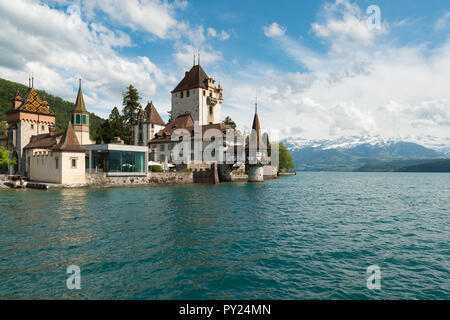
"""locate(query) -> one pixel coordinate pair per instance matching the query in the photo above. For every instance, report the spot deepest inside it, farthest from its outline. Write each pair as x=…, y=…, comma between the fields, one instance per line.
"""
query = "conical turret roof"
x=79, y=104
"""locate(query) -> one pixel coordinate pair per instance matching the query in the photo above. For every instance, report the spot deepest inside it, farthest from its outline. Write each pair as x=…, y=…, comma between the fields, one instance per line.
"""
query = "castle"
x=41, y=153
x=71, y=157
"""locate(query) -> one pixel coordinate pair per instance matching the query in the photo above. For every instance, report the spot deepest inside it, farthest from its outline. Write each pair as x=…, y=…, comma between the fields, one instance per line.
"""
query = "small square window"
x=181, y=95
x=73, y=162
x=187, y=93
x=32, y=126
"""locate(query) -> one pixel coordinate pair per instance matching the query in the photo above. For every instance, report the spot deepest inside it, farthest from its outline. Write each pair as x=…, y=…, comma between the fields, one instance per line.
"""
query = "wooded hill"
x=60, y=107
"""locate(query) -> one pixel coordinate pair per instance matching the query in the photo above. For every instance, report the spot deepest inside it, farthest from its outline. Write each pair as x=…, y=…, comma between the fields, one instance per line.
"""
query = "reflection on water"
x=309, y=236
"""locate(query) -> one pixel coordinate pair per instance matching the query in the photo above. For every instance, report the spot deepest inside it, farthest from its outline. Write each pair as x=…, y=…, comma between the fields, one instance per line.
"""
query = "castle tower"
x=148, y=124
x=80, y=119
x=29, y=116
x=256, y=150
x=198, y=95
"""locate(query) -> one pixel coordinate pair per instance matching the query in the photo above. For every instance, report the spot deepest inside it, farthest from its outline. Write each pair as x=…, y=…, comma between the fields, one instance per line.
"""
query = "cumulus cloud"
x=153, y=16
x=363, y=84
x=65, y=48
x=274, y=30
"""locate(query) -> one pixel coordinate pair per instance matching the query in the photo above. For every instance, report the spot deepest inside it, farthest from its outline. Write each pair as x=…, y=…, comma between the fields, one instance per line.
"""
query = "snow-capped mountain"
x=440, y=145
x=352, y=153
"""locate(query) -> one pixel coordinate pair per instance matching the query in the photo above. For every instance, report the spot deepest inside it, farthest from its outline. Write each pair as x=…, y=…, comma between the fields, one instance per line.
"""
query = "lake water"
x=310, y=236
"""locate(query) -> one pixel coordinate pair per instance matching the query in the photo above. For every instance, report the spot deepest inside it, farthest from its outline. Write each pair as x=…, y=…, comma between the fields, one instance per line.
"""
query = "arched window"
x=78, y=119
x=84, y=119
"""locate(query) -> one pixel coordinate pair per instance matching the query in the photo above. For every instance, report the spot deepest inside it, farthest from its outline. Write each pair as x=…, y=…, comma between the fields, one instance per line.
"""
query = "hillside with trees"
x=60, y=107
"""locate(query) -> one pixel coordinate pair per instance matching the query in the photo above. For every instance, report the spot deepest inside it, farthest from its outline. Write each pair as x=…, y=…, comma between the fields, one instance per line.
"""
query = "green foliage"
x=115, y=126
x=229, y=122
x=130, y=111
x=285, y=157
x=4, y=157
x=131, y=104
x=170, y=116
x=185, y=170
x=61, y=108
x=157, y=169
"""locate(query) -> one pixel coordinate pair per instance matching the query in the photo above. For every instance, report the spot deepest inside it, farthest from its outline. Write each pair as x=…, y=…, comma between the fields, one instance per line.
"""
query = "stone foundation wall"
x=153, y=178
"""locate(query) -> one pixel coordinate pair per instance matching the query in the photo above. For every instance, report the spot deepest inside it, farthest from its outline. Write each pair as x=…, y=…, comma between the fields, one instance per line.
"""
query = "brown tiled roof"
x=195, y=78
x=44, y=141
x=185, y=122
x=69, y=141
x=56, y=141
x=31, y=102
x=152, y=115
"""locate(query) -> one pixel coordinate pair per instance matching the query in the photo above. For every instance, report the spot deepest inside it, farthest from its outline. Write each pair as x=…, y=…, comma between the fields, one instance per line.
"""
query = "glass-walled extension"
x=116, y=159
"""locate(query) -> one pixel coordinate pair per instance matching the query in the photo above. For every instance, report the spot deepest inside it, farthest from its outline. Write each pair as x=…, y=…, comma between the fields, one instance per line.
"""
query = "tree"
x=131, y=105
x=285, y=157
x=229, y=122
x=115, y=126
x=4, y=157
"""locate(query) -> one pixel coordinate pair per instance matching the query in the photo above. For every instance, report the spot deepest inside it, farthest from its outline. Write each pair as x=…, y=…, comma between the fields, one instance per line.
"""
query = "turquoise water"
x=311, y=236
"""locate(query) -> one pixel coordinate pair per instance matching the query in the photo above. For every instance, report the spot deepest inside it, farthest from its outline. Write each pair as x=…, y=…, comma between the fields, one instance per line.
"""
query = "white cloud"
x=184, y=57
x=274, y=30
x=65, y=48
x=363, y=84
x=153, y=16
x=212, y=33
x=443, y=22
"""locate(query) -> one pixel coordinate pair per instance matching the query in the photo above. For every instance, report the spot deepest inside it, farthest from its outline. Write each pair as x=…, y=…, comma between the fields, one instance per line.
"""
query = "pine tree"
x=131, y=104
x=130, y=111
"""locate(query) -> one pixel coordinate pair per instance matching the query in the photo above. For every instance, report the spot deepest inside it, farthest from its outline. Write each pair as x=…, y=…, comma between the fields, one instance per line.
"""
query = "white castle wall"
x=41, y=166
x=196, y=104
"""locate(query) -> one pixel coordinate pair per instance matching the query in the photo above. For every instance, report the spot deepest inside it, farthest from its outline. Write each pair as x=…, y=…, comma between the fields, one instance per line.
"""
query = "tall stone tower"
x=198, y=95
x=80, y=119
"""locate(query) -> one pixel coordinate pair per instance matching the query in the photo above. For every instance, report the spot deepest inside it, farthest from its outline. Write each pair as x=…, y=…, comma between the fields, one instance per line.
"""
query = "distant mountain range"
x=364, y=153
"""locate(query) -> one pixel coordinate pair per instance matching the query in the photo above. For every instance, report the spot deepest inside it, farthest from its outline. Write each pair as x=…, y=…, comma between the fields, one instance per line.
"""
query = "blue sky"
x=317, y=69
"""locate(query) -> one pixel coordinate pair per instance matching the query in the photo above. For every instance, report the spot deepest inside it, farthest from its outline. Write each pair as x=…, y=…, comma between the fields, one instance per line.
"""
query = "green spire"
x=79, y=104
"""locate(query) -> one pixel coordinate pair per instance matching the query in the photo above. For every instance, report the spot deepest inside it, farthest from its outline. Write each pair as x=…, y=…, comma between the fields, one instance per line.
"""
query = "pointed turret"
x=69, y=141
x=79, y=104
x=80, y=119
x=256, y=130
